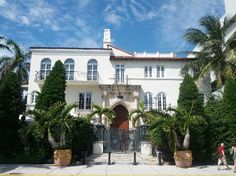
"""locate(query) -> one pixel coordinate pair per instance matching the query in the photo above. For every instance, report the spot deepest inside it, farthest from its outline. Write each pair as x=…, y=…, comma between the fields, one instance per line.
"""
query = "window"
x=148, y=71
x=148, y=101
x=85, y=100
x=161, y=101
x=45, y=68
x=69, y=67
x=160, y=71
x=33, y=97
x=92, y=73
x=120, y=69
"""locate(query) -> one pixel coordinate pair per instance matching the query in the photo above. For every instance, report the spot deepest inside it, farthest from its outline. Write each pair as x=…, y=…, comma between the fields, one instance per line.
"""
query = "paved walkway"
x=115, y=169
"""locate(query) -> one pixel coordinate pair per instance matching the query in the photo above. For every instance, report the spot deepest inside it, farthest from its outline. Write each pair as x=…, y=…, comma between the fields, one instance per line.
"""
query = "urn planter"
x=62, y=157
x=183, y=159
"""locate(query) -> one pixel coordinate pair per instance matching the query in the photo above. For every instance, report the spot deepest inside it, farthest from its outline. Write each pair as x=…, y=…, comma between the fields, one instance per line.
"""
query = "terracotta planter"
x=62, y=157
x=183, y=158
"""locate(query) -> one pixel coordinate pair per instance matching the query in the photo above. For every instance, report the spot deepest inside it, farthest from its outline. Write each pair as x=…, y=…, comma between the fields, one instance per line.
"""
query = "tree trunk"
x=186, y=142
x=176, y=140
x=51, y=140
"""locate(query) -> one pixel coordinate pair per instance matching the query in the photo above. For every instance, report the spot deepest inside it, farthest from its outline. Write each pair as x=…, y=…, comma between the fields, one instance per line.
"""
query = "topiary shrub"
x=53, y=89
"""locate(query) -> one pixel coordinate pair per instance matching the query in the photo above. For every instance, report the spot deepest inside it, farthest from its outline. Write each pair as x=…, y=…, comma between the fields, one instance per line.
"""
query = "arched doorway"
x=121, y=121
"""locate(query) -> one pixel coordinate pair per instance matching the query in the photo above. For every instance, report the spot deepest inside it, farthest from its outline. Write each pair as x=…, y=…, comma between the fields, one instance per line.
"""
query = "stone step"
x=122, y=158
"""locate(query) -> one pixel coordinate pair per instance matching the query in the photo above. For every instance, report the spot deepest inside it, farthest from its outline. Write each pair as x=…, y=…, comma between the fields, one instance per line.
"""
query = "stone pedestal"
x=146, y=148
x=98, y=147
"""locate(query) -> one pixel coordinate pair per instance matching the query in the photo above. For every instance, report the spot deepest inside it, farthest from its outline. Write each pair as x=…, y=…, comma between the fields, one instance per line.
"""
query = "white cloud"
x=113, y=18
x=179, y=15
x=25, y=20
x=2, y=2
x=83, y=3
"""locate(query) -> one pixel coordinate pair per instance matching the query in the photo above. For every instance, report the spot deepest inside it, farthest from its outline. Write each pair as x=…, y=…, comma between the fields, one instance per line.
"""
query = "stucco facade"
x=109, y=76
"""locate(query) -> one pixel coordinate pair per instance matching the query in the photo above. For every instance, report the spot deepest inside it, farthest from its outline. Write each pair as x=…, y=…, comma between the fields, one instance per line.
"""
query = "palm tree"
x=175, y=124
x=100, y=111
x=2, y=44
x=216, y=53
x=55, y=122
x=17, y=61
x=140, y=114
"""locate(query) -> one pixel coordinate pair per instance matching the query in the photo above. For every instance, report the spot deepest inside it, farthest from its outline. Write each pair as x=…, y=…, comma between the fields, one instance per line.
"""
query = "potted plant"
x=177, y=122
x=56, y=123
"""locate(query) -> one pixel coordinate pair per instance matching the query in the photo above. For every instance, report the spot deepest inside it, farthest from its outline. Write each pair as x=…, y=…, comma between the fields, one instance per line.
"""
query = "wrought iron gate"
x=121, y=140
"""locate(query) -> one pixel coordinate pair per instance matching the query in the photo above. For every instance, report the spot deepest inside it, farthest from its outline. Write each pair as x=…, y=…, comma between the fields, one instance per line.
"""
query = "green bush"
x=161, y=141
x=82, y=137
x=11, y=106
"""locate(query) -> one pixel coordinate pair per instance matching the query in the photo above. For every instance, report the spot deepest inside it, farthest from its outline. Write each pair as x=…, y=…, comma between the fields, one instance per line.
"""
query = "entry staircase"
x=122, y=158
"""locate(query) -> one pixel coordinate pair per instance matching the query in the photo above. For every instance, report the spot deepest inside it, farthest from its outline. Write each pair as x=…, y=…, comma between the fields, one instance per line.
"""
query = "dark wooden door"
x=121, y=121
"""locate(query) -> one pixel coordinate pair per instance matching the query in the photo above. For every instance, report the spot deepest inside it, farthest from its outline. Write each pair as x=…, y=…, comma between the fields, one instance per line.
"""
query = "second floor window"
x=160, y=71
x=92, y=70
x=148, y=72
x=148, y=101
x=85, y=100
x=45, y=68
x=33, y=97
x=161, y=101
x=120, y=70
x=69, y=67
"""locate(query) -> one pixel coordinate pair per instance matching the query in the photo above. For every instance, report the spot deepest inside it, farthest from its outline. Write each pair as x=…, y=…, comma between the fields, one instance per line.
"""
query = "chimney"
x=106, y=38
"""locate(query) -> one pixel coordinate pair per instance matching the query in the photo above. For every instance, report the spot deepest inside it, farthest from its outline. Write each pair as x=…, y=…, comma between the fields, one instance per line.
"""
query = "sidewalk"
x=115, y=169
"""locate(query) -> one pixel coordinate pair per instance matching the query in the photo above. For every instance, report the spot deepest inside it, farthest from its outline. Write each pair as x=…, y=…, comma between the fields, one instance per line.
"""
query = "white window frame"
x=120, y=73
x=148, y=101
x=148, y=71
x=92, y=73
x=33, y=97
x=70, y=68
x=87, y=101
x=45, y=68
x=161, y=101
x=160, y=71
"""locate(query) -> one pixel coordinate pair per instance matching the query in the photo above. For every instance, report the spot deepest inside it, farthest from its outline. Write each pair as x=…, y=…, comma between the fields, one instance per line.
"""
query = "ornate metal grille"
x=121, y=140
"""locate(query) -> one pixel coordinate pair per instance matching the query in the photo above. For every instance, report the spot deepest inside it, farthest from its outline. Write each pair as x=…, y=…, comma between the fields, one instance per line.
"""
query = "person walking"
x=222, y=158
x=233, y=152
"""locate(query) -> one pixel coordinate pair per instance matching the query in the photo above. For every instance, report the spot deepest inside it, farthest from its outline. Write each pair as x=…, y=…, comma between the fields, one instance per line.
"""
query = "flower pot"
x=183, y=158
x=62, y=157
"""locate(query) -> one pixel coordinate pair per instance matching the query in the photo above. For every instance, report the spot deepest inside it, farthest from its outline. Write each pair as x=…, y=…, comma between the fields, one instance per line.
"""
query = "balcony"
x=72, y=78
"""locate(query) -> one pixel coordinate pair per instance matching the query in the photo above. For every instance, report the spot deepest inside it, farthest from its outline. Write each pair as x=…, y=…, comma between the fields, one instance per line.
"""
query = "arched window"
x=33, y=97
x=45, y=68
x=92, y=70
x=161, y=101
x=69, y=67
x=148, y=101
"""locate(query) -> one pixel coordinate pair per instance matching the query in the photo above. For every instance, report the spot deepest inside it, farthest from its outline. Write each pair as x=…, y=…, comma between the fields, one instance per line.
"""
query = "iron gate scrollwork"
x=121, y=140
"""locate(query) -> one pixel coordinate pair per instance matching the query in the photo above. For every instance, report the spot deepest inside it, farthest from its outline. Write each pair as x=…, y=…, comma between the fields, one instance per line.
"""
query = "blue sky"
x=136, y=25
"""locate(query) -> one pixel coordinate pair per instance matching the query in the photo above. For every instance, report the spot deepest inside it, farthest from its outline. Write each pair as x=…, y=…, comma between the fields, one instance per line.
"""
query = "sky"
x=136, y=25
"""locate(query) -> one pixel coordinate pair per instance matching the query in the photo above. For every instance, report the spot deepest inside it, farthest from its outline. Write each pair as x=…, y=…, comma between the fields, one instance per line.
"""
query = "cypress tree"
x=188, y=94
x=188, y=97
x=229, y=108
x=54, y=87
x=229, y=96
x=11, y=106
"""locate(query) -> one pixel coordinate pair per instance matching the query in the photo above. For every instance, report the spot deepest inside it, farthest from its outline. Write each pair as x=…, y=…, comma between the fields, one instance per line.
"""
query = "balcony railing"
x=70, y=76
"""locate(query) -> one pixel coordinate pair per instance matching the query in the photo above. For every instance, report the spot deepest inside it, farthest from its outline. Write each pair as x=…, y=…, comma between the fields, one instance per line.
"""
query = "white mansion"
x=110, y=77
